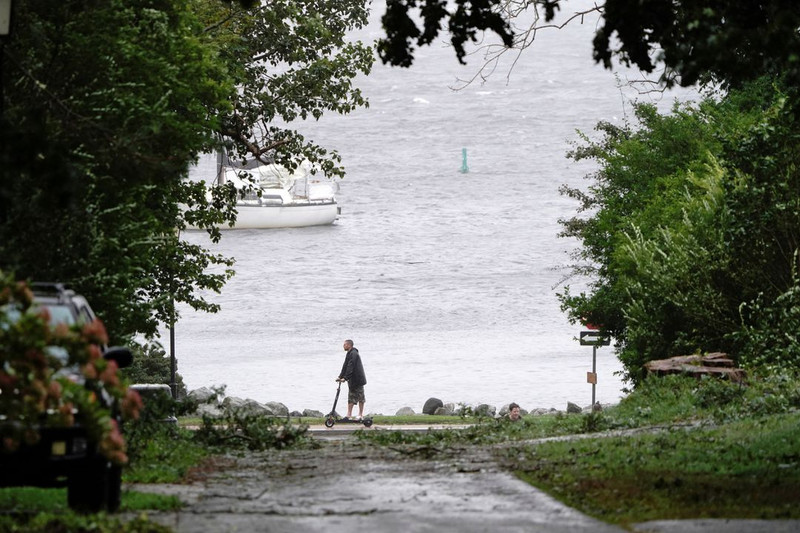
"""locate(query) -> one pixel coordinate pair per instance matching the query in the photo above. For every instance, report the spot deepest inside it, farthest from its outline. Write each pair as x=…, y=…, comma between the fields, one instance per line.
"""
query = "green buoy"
x=464, y=167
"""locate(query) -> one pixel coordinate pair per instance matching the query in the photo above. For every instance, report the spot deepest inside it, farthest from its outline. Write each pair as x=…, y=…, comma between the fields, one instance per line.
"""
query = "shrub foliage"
x=33, y=392
x=690, y=230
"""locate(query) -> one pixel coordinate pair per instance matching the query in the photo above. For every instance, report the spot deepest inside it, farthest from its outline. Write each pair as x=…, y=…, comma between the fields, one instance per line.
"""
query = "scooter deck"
x=330, y=421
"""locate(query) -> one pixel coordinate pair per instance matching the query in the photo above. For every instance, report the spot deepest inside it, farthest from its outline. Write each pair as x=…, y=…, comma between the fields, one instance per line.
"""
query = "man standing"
x=353, y=373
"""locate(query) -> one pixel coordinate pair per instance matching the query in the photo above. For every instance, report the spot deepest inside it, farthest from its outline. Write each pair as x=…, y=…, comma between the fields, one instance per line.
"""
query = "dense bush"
x=685, y=398
x=770, y=329
x=242, y=430
x=690, y=231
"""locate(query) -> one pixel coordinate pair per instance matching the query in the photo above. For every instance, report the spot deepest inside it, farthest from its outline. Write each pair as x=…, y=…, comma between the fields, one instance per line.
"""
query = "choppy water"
x=444, y=280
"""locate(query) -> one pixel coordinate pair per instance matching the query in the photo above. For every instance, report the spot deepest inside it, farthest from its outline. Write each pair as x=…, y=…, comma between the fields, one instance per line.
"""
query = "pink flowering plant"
x=38, y=388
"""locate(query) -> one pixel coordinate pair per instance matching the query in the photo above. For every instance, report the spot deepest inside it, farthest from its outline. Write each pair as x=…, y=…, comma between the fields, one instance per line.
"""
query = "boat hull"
x=285, y=216
x=297, y=215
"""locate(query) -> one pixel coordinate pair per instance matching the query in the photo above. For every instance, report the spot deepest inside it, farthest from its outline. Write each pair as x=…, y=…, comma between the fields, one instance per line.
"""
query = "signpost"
x=594, y=339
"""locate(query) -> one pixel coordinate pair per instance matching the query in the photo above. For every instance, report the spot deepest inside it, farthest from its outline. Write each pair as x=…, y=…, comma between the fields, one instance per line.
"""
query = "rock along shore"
x=212, y=403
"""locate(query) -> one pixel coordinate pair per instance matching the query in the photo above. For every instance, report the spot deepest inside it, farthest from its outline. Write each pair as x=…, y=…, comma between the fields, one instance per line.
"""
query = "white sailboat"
x=275, y=197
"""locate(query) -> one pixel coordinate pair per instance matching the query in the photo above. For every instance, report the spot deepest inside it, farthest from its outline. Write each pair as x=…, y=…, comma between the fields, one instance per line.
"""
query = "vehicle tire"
x=367, y=422
x=329, y=422
x=114, y=488
x=88, y=489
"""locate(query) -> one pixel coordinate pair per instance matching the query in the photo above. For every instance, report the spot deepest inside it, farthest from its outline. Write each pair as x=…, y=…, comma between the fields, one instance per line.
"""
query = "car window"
x=60, y=314
x=85, y=316
x=11, y=313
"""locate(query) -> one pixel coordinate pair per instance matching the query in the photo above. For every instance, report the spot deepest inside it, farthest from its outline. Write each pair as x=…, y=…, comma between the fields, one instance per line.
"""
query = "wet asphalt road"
x=346, y=485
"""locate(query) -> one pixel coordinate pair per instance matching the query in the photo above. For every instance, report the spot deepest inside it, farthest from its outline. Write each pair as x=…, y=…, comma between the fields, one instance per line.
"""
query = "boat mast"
x=220, y=168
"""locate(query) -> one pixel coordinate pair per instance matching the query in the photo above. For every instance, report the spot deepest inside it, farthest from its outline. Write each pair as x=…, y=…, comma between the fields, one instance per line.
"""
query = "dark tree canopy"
x=469, y=17
x=105, y=106
x=726, y=41
x=706, y=41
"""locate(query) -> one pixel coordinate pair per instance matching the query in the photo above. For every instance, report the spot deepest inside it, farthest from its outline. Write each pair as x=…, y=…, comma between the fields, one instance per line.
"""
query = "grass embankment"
x=716, y=449
x=34, y=500
x=50, y=522
x=34, y=510
x=742, y=469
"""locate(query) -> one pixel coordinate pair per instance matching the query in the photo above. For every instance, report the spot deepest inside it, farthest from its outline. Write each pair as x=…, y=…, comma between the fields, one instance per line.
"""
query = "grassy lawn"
x=164, y=458
x=191, y=421
x=421, y=420
x=741, y=469
x=36, y=500
x=35, y=510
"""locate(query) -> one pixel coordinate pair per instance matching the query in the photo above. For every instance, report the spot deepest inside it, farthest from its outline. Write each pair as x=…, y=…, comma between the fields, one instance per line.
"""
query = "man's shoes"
x=358, y=419
x=345, y=419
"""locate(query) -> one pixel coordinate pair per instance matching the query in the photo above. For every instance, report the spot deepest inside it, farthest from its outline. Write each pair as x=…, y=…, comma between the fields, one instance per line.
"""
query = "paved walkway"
x=349, y=486
x=346, y=486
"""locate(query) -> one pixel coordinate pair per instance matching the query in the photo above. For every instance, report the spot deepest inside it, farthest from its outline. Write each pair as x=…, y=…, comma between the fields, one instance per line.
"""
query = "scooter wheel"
x=329, y=422
x=367, y=422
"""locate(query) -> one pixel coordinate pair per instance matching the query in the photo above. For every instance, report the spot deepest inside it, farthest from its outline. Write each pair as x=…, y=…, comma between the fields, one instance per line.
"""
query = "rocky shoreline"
x=212, y=403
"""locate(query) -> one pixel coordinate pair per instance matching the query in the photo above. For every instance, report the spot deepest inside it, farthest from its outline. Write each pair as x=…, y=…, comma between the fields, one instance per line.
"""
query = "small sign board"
x=593, y=338
x=591, y=377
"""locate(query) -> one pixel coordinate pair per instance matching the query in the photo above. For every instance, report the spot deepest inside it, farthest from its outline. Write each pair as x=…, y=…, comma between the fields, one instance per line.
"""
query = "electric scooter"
x=332, y=418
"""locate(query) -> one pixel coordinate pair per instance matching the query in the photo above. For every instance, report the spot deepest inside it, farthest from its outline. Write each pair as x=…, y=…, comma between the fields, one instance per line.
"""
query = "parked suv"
x=65, y=455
